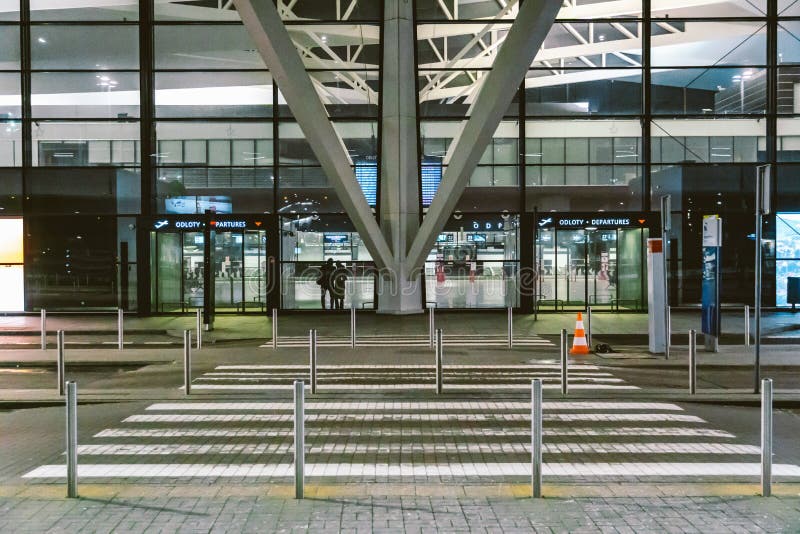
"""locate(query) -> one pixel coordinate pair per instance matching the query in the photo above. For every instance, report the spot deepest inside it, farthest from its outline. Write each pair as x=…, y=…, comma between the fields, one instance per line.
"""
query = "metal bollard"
x=564, y=363
x=43, y=315
x=61, y=366
x=274, y=328
x=72, y=440
x=353, y=327
x=668, y=333
x=299, y=439
x=747, y=326
x=120, y=327
x=439, y=385
x=766, y=437
x=510, y=327
x=199, y=329
x=692, y=361
x=431, y=327
x=589, y=327
x=187, y=361
x=312, y=364
x=536, y=437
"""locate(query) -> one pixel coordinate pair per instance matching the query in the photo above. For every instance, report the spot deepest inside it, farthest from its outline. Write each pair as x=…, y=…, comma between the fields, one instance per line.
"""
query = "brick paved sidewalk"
x=411, y=513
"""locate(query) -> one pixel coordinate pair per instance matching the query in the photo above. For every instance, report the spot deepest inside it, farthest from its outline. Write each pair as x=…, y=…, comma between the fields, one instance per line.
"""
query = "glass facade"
x=115, y=116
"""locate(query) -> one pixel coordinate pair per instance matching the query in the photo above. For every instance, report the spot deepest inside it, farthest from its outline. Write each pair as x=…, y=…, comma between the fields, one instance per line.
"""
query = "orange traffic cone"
x=579, y=345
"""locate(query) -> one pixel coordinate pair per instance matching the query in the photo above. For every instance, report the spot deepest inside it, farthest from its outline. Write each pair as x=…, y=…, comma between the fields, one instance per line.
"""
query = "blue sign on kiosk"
x=712, y=241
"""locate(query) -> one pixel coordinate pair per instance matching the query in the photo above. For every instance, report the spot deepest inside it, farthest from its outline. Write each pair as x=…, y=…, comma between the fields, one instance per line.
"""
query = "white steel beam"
x=534, y=20
x=275, y=46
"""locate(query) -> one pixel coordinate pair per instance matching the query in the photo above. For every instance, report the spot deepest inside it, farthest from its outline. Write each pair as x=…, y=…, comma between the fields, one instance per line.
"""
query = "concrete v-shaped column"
x=275, y=46
x=400, y=291
x=524, y=39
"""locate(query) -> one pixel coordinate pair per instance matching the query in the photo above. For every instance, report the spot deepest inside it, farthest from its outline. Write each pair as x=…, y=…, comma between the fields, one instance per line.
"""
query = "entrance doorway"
x=178, y=274
x=587, y=265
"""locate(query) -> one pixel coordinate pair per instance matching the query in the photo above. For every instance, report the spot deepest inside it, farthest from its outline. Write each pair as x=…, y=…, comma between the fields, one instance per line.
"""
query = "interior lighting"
x=42, y=40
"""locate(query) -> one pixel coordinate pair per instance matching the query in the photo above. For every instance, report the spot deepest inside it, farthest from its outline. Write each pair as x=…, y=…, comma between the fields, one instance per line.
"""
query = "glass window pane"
x=9, y=46
x=67, y=143
x=10, y=96
x=10, y=192
x=86, y=191
x=579, y=91
x=577, y=175
x=124, y=152
x=552, y=150
x=84, y=47
x=201, y=132
x=213, y=94
x=601, y=151
x=194, y=151
x=205, y=47
x=705, y=43
x=710, y=91
x=102, y=95
x=99, y=152
x=10, y=144
x=219, y=152
x=750, y=8
x=119, y=10
x=577, y=150
x=9, y=10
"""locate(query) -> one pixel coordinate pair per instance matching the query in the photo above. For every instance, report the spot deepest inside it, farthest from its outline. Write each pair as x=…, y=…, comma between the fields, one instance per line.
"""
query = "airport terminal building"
x=165, y=155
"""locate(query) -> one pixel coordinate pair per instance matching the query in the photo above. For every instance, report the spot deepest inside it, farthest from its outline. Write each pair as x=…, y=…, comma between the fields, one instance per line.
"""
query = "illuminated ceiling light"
x=42, y=40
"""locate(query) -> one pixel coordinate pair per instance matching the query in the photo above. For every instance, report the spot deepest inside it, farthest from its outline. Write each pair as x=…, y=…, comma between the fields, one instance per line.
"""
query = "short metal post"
x=187, y=361
x=692, y=361
x=431, y=327
x=589, y=326
x=72, y=440
x=564, y=363
x=668, y=331
x=299, y=439
x=536, y=437
x=120, y=327
x=353, y=327
x=766, y=437
x=43, y=328
x=746, y=325
x=439, y=384
x=60, y=362
x=510, y=327
x=199, y=329
x=312, y=364
x=274, y=328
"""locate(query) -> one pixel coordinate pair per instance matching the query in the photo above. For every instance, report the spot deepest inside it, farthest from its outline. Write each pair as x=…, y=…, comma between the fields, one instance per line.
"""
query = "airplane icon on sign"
x=161, y=224
x=546, y=221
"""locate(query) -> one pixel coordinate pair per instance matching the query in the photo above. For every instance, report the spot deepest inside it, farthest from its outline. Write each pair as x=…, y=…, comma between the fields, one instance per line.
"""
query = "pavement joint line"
x=421, y=405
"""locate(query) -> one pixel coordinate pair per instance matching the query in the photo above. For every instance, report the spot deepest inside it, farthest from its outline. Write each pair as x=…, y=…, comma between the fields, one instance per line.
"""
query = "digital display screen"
x=444, y=238
x=190, y=205
x=476, y=238
x=335, y=239
x=431, y=177
x=367, y=177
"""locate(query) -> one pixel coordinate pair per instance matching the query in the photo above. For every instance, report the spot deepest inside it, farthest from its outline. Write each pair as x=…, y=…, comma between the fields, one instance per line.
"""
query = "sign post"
x=656, y=325
x=712, y=247
x=763, y=193
x=666, y=226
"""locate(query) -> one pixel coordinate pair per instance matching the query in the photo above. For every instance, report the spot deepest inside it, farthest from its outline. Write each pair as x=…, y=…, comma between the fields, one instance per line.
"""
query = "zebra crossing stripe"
x=184, y=432
x=288, y=418
x=465, y=469
x=407, y=406
x=188, y=449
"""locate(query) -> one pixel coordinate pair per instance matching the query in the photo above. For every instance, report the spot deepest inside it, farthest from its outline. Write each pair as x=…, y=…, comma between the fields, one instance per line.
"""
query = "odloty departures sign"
x=172, y=224
x=596, y=220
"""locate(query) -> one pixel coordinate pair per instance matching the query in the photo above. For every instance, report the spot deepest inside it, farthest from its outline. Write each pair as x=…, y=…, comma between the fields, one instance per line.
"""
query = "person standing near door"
x=325, y=281
x=338, y=286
